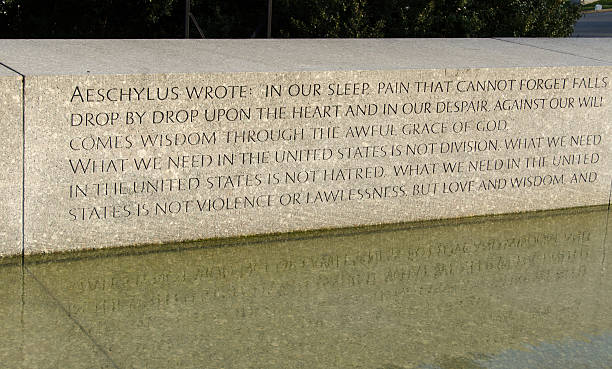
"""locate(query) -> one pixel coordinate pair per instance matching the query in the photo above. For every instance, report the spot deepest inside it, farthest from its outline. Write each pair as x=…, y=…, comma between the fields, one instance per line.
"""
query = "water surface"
x=522, y=291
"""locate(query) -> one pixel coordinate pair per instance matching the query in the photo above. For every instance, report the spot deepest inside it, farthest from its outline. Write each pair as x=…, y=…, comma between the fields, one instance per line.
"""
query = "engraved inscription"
x=310, y=150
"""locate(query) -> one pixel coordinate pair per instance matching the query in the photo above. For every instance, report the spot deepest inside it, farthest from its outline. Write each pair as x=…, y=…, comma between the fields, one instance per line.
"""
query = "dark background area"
x=291, y=18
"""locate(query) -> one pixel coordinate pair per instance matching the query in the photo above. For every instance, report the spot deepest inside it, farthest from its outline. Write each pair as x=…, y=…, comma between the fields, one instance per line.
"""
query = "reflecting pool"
x=519, y=291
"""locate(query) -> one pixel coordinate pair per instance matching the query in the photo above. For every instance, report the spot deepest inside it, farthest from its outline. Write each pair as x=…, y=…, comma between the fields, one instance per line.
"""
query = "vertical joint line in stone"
x=23, y=163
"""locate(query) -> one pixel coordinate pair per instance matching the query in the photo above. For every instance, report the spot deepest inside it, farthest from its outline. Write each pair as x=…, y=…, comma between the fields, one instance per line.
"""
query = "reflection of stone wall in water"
x=36, y=332
x=394, y=297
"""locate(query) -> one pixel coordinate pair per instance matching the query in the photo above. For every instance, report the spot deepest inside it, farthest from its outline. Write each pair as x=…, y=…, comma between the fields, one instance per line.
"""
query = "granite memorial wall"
x=137, y=142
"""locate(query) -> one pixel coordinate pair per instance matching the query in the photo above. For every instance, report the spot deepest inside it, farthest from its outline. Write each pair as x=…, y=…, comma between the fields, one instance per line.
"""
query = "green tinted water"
x=529, y=291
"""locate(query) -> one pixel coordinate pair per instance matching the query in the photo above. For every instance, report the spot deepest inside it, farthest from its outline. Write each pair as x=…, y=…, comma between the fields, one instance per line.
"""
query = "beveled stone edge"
x=27, y=77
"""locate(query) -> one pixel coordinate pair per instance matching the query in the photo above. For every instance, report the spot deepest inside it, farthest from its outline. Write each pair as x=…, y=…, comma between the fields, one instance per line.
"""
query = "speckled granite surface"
x=138, y=142
x=11, y=161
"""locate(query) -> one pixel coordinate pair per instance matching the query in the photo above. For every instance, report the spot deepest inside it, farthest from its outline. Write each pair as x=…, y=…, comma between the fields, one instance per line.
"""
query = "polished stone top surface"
x=78, y=57
x=522, y=291
x=5, y=72
x=593, y=48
